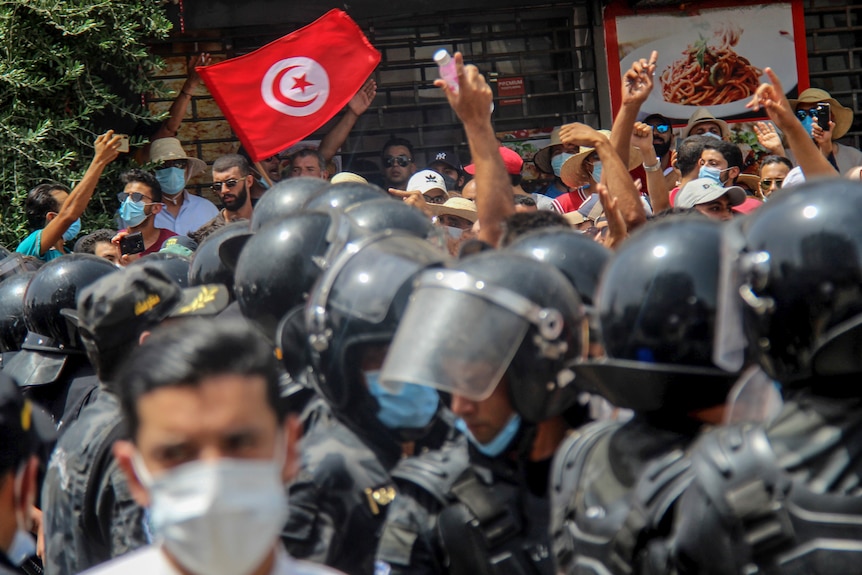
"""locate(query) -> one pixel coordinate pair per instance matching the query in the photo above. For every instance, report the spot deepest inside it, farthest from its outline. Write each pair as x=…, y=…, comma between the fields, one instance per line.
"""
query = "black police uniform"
x=614, y=485
x=785, y=497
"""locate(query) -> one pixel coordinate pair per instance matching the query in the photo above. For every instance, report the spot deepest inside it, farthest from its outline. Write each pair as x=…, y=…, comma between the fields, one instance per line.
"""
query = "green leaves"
x=64, y=65
x=701, y=49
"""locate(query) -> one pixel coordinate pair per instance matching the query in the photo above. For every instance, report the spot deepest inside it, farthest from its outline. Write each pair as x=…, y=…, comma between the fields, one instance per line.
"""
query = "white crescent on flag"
x=295, y=86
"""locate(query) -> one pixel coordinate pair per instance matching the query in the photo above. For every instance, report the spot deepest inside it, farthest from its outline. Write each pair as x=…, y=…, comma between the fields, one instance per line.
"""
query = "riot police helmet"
x=341, y=196
x=285, y=198
x=175, y=266
x=207, y=267
x=12, y=328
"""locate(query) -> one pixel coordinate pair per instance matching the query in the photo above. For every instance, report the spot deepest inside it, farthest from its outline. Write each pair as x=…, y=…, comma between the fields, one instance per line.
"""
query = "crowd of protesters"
x=648, y=365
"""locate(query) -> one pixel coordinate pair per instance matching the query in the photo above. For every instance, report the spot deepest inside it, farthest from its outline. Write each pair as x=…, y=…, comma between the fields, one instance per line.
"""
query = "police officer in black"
x=340, y=499
x=614, y=484
x=52, y=367
x=498, y=334
x=783, y=497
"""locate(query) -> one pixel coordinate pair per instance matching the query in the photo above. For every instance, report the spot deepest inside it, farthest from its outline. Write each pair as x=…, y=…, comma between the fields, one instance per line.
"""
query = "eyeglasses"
x=434, y=199
x=661, y=128
x=181, y=164
x=135, y=196
x=402, y=161
x=229, y=184
x=766, y=184
x=802, y=114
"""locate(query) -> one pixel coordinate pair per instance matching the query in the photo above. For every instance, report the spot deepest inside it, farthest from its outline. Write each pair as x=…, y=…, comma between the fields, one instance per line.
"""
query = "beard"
x=234, y=201
x=661, y=149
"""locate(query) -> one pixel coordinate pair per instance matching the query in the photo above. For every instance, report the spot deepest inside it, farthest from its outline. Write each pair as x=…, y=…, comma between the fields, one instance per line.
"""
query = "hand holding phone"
x=124, y=144
x=824, y=115
x=132, y=244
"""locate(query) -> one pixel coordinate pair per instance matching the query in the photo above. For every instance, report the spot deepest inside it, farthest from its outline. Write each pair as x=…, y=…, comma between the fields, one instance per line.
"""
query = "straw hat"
x=702, y=115
x=347, y=177
x=843, y=115
x=572, y=167
x=460, y=207
x=165, y=149
x=542, y=158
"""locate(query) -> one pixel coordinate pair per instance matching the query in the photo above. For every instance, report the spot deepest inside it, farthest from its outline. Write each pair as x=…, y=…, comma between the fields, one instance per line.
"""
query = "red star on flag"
x=301, y=83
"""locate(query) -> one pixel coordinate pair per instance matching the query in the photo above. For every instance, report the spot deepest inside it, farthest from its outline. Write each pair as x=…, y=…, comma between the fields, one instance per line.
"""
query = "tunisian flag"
x=281, y=93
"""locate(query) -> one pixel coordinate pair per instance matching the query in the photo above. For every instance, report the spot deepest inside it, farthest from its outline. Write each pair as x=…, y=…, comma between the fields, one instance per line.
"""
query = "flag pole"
x=263, y=173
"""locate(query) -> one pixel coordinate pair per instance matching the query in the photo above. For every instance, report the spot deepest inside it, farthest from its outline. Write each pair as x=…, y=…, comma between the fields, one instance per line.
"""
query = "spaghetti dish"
x=710, y=75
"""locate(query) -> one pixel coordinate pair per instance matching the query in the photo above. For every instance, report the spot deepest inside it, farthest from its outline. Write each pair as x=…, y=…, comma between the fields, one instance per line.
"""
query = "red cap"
x=511, y=159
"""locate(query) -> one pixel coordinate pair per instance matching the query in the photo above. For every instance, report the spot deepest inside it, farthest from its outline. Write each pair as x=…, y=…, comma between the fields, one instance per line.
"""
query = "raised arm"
x=659, y=196
x=171, y=126
x=355, y=108
x=637, y=85
x=472, y=104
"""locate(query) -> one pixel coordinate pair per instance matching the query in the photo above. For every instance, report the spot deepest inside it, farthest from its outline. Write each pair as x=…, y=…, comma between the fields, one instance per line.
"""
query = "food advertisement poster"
x=709, y=55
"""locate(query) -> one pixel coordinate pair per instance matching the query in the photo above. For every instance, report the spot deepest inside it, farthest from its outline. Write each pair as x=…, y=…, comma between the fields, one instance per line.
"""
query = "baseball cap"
x=447, y=157
x=425, y=181
x=703, y=190
x=179, y=245
x=119, y=307
x=24, y=427
x=511, y=159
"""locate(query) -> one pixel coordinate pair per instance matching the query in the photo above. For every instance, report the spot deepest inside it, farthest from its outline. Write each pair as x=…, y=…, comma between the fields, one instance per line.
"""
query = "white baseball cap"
x=425, y=181
x=704, y=190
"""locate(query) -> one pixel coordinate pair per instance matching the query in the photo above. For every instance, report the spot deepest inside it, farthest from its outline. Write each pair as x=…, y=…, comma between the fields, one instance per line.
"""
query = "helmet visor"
x=454, y=337
x=730, y=340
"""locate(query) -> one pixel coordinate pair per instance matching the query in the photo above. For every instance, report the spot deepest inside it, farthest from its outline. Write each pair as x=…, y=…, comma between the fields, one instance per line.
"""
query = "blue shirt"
x=195, y=212
x=32, y=244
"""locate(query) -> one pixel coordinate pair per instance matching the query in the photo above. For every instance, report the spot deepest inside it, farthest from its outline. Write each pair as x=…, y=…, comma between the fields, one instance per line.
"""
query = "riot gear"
x=384, y=214
x=498, y=313
x=343, y=195
x=207, y=266
x=175, y=266
x=280, y=263
x=12, y=328
x=285, y=198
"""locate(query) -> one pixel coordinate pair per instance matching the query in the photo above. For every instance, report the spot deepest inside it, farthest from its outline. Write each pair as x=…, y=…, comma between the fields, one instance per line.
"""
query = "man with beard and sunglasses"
x=232, y=180
x=662, y=139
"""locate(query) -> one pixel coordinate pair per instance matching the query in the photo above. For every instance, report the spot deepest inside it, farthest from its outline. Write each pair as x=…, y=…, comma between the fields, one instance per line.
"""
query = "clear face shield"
x=460, y=334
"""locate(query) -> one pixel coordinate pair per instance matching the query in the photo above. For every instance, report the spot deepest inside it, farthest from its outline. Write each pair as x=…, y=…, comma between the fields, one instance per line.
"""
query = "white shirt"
x=151, y=561
x=195, y=212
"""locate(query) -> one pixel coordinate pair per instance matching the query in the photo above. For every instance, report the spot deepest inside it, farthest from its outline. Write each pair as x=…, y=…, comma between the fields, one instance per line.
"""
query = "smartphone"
x=124, y=144
x=132, y=244
x=824, y=115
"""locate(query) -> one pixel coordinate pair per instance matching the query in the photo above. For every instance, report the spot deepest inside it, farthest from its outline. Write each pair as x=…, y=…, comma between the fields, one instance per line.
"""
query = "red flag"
x=281, y=93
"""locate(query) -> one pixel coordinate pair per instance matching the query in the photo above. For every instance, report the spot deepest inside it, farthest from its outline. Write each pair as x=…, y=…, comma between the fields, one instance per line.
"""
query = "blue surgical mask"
x=411, y=407
x=172, y=180
x=808, y=124
x=132, y=213
x=558, y=161
x=22, y=548
x=72, y=232
x=499, y=443
x=711, y=173
x=711, y=135
x=597, y=171
x=454, y=233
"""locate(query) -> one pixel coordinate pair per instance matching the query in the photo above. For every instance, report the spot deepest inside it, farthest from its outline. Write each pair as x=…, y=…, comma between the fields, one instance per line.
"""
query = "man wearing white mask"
x=184, y=212
x=209, y=453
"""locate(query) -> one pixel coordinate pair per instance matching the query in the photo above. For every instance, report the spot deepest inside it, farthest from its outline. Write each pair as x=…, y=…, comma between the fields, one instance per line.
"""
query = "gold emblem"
x=379, y=497
x=206, y=295
x=147, y=304
x=26, y=414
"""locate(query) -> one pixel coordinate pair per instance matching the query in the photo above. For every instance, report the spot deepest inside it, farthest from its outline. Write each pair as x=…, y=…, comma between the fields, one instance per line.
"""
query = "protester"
x=398, y=163
x=99, y=244
x=773, y=171
x=183, y=212
x=448, y=165
x=308, y=162
x=841, y=156
x=232, y=180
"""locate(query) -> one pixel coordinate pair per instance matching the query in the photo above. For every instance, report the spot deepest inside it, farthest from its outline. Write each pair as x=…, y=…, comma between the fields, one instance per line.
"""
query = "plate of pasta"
x=719, y=69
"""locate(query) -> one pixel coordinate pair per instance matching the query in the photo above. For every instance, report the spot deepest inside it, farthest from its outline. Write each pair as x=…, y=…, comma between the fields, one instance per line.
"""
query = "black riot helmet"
x=579, y=257
x=658, y=305
x=175, y=266
x=54, y=287
x=278, y=266
x=343, y=195
x=16, y=263
x=385, y=214
x=285, y=198
x=800, y=284
x=12, y=328
x=357, y=305
x=207, y=266
x=498, y=313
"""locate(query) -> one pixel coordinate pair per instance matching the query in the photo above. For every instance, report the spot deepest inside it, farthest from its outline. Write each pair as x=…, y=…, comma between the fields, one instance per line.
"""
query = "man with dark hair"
x=23, y=432
x=688, y=161
x=232, y=180
x=398, y=163
x=53, y=212
x=141, y=200
x=99, y=244
x=721, y=162
x=308, y=162
x=209, y=452
x=90, y=515
x=662, y=134
x=521, y=223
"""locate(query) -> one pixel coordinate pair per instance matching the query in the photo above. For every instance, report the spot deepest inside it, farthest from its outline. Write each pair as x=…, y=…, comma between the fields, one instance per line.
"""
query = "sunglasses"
x=135, y=196
x=402, y=161
x=434, y=199
x=766, y=184
x=229, y=184
x=802, y=114
x=661, y=128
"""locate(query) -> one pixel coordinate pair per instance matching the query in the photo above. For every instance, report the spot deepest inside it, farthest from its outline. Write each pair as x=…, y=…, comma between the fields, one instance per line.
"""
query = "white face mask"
x=218, y=517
